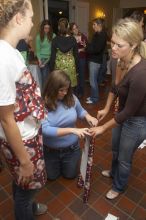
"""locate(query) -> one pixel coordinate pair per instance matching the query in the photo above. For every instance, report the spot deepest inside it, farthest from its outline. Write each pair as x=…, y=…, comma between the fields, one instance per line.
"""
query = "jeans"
x=93, y=76
x=23, y=203
x=63, y=162
x=44, y=72
x=125, y=140
x=81, y=76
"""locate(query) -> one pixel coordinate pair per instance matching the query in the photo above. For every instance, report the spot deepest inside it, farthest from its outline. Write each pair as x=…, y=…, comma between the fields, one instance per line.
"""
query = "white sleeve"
x=7, y=85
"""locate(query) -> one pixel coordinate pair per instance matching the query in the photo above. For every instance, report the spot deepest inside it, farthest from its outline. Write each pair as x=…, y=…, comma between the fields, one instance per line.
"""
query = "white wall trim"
x=46, y=9
x=41, y=10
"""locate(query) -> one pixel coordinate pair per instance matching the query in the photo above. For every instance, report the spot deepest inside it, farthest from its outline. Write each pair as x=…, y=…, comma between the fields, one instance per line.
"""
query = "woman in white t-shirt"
x=21, y=111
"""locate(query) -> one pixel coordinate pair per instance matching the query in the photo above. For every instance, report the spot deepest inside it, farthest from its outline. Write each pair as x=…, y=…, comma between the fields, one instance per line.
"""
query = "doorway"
x=56, y=10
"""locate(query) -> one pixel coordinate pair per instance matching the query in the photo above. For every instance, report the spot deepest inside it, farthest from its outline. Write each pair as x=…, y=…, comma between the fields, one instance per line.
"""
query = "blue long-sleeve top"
x=62, y=117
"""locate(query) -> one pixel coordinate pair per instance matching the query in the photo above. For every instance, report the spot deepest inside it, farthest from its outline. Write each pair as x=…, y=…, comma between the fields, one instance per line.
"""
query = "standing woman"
x=96, y=50
x=43, y=49
x=64, y=52
x=21, y=111
x=129, y=93
x=82, y=42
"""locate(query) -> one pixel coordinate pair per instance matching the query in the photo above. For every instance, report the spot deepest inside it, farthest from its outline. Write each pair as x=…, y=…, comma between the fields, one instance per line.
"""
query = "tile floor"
x=64, y=199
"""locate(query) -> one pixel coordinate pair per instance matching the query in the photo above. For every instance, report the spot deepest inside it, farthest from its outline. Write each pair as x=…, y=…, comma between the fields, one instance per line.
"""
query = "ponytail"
x=143, y=49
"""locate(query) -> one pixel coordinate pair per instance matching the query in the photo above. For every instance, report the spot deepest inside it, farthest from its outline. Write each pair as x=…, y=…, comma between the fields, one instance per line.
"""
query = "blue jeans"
x=44, y=72
x=23, y=203
x=125, y=140
x=63, y=162
x=93, y=76
x=81, y=76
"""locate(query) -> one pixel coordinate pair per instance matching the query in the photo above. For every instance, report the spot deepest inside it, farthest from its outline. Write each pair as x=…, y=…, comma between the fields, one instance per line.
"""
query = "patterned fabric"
x=34, y=148
x=87, y=183
x=28, y=100
x=28, y=103
x=66, y=62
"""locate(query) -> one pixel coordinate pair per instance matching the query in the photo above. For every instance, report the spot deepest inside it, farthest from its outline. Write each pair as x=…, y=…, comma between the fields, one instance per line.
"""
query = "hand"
x=81, y=132
x=25, y=172
x=101, y=114
x=91, y=120
x=97, y=131
x=83, y=43
x=40, y=64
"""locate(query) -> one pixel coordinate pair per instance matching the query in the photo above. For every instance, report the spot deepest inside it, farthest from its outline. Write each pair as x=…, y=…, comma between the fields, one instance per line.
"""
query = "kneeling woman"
x=60, y=136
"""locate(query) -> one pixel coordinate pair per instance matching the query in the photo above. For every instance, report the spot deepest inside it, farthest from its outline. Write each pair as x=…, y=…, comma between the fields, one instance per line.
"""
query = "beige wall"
x=36, y=19
x=106, y=6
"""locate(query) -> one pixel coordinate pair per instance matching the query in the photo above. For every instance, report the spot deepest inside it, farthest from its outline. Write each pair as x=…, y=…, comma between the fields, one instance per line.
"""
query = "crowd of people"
x=44, y=140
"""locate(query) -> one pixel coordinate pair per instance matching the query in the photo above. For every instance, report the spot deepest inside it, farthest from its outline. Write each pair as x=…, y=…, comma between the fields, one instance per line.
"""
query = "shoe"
x=89, y=101
x=106, y=173
x=40, y=209
x=88, y=98
x=111, y=194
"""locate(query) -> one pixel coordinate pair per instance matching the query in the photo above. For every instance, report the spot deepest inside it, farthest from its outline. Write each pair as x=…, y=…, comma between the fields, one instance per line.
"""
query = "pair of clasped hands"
x=94, y=129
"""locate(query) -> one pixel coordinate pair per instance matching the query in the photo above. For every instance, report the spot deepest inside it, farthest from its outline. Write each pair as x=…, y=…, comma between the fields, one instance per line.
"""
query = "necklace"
x=123, y=65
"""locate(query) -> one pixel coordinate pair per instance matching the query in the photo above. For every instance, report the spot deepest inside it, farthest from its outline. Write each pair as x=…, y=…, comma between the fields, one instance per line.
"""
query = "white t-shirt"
x=12, y=67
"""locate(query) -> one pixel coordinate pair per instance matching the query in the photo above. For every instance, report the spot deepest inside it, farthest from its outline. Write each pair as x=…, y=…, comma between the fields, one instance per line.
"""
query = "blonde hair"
x=9, y=8
x=131, y=32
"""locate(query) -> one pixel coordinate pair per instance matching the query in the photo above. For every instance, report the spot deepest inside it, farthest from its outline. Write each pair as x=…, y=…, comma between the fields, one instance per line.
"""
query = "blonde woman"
x=129, y=93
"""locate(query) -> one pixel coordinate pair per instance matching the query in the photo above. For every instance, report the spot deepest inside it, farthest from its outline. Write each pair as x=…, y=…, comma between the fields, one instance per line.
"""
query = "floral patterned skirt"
x=34, y=148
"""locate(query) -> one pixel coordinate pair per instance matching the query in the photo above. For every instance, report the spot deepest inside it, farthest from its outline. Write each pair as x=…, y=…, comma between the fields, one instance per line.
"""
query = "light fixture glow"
x=100, y=14
x=60, y=12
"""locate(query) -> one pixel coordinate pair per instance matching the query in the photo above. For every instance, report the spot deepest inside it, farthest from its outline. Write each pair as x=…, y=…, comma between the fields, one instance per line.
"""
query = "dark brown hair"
x=63, y=26
x=42, y=33
x=57, y=80
x=71, y=28
x=9, y=8
x=137, y=15
x=99, y=21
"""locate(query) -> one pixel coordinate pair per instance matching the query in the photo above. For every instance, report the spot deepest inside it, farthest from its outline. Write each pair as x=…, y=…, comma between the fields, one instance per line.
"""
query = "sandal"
x=40, y=209
x=106, y=173
x=111, y=194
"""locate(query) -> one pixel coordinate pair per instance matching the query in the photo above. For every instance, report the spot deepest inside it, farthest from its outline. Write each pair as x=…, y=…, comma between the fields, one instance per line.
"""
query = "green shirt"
x=43, y=48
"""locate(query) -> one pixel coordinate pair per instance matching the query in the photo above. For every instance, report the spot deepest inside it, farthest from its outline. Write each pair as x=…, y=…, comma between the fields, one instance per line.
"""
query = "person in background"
x=82, y=42
x=26, y=50
x=23, y=47
x=21, y=112
x=43, y=49
x=60, y=135
x=95, y=50
x=138, y=16
x=129, y=95
x=64, y=52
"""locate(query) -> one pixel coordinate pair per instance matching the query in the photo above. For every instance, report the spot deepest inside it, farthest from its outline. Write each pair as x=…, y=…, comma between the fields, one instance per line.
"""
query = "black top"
x=131, y=92
x=97, y=47
x=64, y=44
x=22, y=46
